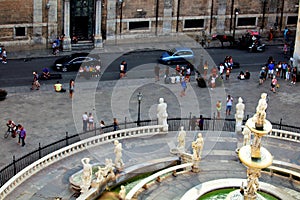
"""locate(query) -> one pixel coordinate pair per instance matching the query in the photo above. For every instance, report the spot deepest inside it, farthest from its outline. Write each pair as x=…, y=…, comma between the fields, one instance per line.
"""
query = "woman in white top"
x=229, y=104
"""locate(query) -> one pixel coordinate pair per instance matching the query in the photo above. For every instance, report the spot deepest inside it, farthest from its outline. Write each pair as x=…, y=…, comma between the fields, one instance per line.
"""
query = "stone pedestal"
x=196, y=165
x=67, y=44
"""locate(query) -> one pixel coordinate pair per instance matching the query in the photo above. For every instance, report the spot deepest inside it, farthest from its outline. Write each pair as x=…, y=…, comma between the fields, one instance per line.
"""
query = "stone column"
x=52, y=21
x=38, y=19
x=67, y=40
x=167, y=18
x=296, y=55
x=221, y=13
x=111, y=19
x=98, y=37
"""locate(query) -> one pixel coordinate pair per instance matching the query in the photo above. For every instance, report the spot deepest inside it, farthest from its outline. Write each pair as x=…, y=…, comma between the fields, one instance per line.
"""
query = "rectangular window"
x=140, y=25
x=194, y=23
x=292, y=20
x=19, y=31
x=246, y=21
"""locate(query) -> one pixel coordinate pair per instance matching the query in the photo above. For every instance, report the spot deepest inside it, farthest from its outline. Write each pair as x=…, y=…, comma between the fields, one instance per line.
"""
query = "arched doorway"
x=82, y=19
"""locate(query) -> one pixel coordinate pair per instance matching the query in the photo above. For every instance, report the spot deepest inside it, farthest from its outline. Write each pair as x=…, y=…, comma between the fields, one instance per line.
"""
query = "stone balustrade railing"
x=143, y=182
x=284, y=135
x=62, y=153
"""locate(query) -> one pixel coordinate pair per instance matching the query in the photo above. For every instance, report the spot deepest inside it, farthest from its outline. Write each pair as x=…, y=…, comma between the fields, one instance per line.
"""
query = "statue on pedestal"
x=99, y=174
x=252, y=182
x=181, y=140
x=239, y=116
x=118, y=152
x=162, y=114
x=86, y=175
x=122, y=193
x=260, y=115
x=247, y=136
x=197, y=147
x=108, y=170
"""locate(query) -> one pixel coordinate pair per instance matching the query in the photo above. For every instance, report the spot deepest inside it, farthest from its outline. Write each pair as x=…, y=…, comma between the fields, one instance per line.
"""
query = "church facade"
x=36, y=23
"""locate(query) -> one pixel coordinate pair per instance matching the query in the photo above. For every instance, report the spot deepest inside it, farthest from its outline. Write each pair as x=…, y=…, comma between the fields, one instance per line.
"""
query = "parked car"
x=74, y=61
x=177, y=55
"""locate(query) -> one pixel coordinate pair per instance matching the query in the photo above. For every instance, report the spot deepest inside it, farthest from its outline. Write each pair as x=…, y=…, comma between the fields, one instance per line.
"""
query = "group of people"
x=229, y=102
x=57, y=44
x=89, y=123
x=89, y=71
x=3, y=55
x=273, y=71
x=59, y=88
x=17, y=130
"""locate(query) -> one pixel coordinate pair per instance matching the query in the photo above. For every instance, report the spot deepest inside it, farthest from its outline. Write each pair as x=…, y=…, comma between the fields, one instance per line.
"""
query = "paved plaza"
x=47, y=115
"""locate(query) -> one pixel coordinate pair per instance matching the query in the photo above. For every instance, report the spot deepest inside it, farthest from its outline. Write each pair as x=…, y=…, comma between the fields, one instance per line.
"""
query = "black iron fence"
x=212, y=124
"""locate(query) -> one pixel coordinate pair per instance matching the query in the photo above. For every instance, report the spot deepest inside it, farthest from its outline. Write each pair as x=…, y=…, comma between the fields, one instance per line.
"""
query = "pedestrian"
x=4, y=56
x=278, y=69
x=285, y=48
x=123, y=69
x=71, y=88
x=22, y=135
x=294, y=75
x=183, y=86
x=262, y=76
x=201, y=123
x=58, y=87
x=286, y=34
x=156, y=72
x=91, y=121
x=218, y=108
x=228, y=104
x=273, y=84
x=84, y=121
x=116, y=124
x=193, y=123
x=102, y=125
x=283, y=69
x=227, y=73
x=221, y=70
x=271, y=67
x=288, y=73
x=205, y=69
x=35, y=82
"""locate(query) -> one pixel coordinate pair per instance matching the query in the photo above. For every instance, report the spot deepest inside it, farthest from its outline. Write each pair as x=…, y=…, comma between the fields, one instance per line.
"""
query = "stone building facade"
x=36, y=23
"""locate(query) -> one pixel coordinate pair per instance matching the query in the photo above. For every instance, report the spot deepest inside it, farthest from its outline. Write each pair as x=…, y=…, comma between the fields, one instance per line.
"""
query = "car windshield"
x=171, y=51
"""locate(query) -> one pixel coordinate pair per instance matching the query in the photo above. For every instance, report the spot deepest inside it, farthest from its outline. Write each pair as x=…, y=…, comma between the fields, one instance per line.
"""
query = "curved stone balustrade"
x=284, y=135
x=143, y=182
x=62, y=153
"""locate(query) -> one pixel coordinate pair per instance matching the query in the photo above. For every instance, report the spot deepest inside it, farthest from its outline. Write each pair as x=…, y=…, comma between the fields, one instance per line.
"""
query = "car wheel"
x=169, y=62
x=64, y=69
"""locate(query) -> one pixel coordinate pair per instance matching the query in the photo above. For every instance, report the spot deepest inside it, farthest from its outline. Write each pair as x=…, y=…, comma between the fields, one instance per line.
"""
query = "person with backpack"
x=262, y=76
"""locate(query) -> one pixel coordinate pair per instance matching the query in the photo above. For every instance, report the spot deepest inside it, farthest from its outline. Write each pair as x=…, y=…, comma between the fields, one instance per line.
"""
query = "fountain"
x=254, y=156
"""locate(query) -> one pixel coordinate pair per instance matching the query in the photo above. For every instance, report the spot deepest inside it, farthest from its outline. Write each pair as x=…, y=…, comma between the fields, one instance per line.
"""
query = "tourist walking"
x=228, y=104
x=22, y=135
x=218, y=108
x=4, y=56
x=84, y=121
x=116, y=124
x=201, y=123
x=91, y=121
x=273, y=84
x=35, y=82
x=294, y=75
x=71, y=88
x=183, y=86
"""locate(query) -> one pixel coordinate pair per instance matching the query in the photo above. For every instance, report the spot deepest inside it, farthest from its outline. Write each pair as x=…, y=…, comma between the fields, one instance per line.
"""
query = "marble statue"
x=252, y=182
x=99, y=174
x=118, y=152
x=239, y=116
x=197, y=147
x=86, y=175
x=181, y=140
x=247, y=136
x=122, y=193
x=162, y=114
x=260, y=115
x=108, y=170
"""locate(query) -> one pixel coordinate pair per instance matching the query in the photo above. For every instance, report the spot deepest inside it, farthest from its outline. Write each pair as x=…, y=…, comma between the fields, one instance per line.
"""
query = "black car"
x=74, y=61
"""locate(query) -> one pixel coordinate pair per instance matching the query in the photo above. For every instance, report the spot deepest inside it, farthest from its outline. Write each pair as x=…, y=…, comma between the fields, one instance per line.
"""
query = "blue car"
x=177, y=55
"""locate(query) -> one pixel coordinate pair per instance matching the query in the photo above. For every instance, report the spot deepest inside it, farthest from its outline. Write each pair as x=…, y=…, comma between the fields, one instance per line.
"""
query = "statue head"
x=264, y=95
x=199, y=135
x=181, y=128
x=161, y=100
x=116, y=142
x=240, y=100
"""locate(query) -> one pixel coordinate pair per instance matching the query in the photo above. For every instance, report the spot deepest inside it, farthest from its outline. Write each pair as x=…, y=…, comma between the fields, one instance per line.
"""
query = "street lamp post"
x=236, y=12
x=121, y=14
x=139, y=98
